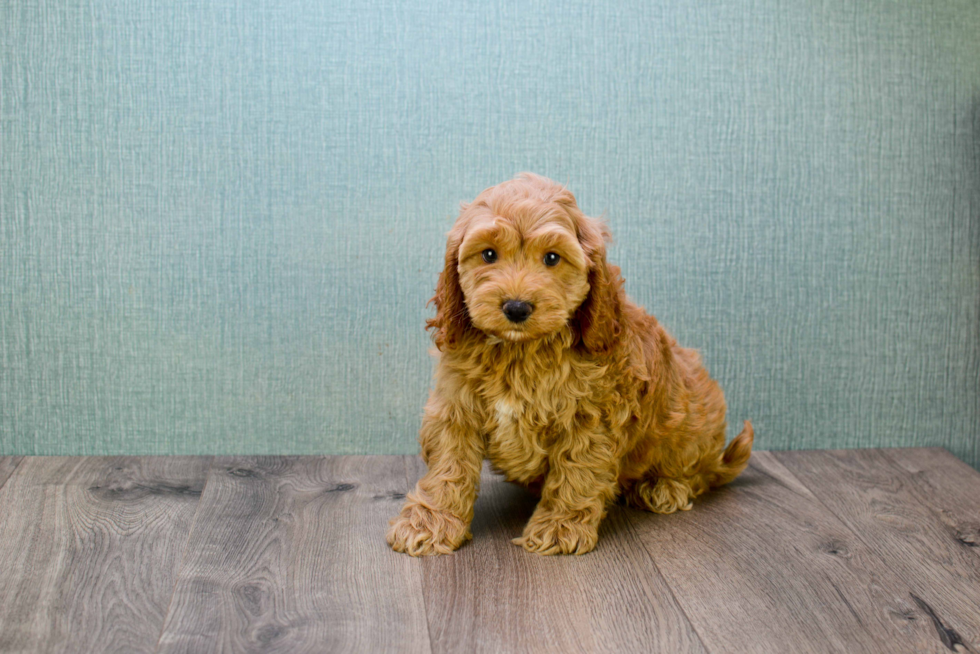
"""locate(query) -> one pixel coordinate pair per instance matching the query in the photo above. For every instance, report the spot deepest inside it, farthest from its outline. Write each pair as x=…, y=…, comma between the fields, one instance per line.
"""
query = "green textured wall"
x=220, y=220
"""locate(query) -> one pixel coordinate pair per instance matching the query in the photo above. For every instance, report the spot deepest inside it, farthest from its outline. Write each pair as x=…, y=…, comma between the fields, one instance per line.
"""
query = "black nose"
x=517, y=311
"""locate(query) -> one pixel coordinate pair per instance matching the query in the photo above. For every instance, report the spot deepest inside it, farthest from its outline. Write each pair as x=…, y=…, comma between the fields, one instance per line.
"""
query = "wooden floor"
x=856, y=551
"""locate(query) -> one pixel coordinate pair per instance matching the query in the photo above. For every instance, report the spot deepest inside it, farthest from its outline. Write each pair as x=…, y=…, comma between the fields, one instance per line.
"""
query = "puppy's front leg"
x=580, y=483
x=436, y=518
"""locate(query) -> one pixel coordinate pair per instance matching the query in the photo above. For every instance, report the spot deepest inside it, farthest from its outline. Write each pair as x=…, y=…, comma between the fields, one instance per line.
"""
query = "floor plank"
x=492, y=596
x=947, y=485
x=762, y=566
x=288, y=554
x=89, y=550
x=7, y=466
x=888, y=510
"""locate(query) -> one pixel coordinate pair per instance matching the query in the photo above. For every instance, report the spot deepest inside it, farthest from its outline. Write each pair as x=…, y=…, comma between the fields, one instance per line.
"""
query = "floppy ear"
x=599, y=319
x=452, y=320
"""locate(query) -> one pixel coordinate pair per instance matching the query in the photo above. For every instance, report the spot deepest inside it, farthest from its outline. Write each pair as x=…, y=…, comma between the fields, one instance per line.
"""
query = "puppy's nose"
x=516, y=310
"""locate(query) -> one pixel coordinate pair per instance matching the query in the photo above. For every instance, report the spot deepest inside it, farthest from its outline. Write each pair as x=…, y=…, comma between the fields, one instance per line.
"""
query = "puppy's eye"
x=489, y=255
x=551, y=259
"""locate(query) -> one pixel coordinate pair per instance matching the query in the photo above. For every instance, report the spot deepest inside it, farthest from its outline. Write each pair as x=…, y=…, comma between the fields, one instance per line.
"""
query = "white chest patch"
x=507, y=411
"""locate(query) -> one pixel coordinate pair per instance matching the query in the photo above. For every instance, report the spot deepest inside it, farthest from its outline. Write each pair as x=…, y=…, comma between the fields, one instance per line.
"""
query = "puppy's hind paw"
x=661, y=496
x=420, y=531
x=554, y=536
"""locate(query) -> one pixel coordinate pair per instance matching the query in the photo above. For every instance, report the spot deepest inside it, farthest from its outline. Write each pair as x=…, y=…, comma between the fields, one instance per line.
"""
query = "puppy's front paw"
x=549, y=534
x=420, y=531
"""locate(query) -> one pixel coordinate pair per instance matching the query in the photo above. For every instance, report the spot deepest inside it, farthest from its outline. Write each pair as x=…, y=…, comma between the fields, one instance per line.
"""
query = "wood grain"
x=762, y=566
x=7, y=466
x=288, y=554
x=889, y=511
x=89, y=550
x=807, y=551
x=492, y=596
x=948, y=486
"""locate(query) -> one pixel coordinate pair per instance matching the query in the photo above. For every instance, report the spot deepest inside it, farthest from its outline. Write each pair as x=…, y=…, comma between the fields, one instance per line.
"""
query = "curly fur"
x=587, y=401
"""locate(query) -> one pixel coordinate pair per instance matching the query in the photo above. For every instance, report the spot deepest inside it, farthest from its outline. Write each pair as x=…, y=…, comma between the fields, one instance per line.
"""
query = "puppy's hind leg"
x=670, y=494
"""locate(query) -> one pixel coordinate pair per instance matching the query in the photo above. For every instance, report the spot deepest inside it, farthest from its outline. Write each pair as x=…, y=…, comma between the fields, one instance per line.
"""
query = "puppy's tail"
x=732, y=461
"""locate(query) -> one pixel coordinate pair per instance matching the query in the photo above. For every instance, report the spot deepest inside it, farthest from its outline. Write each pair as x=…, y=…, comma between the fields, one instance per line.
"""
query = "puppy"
x=551, y=373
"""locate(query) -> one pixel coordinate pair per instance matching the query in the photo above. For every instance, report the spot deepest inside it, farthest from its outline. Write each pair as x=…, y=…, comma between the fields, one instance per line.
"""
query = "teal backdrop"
x=220, y=220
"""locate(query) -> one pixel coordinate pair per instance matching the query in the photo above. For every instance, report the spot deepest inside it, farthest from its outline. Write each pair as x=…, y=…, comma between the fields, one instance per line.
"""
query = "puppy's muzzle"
x=517, y=310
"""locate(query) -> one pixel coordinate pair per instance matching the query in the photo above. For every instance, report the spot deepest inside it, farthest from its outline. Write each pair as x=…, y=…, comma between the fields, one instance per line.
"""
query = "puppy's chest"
x=513, y=416
x=526, y=411
x=519, y=431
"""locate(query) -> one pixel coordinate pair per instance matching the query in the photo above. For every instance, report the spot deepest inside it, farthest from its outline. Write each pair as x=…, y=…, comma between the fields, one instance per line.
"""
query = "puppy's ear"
x=599, y=320
x=452, y=320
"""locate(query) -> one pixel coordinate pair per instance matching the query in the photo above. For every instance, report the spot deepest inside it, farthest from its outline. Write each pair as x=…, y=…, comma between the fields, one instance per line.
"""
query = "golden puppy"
x=549, y=371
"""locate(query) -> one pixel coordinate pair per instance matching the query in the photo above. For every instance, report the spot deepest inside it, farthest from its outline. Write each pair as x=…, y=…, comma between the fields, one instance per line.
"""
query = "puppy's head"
x=522, y=262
